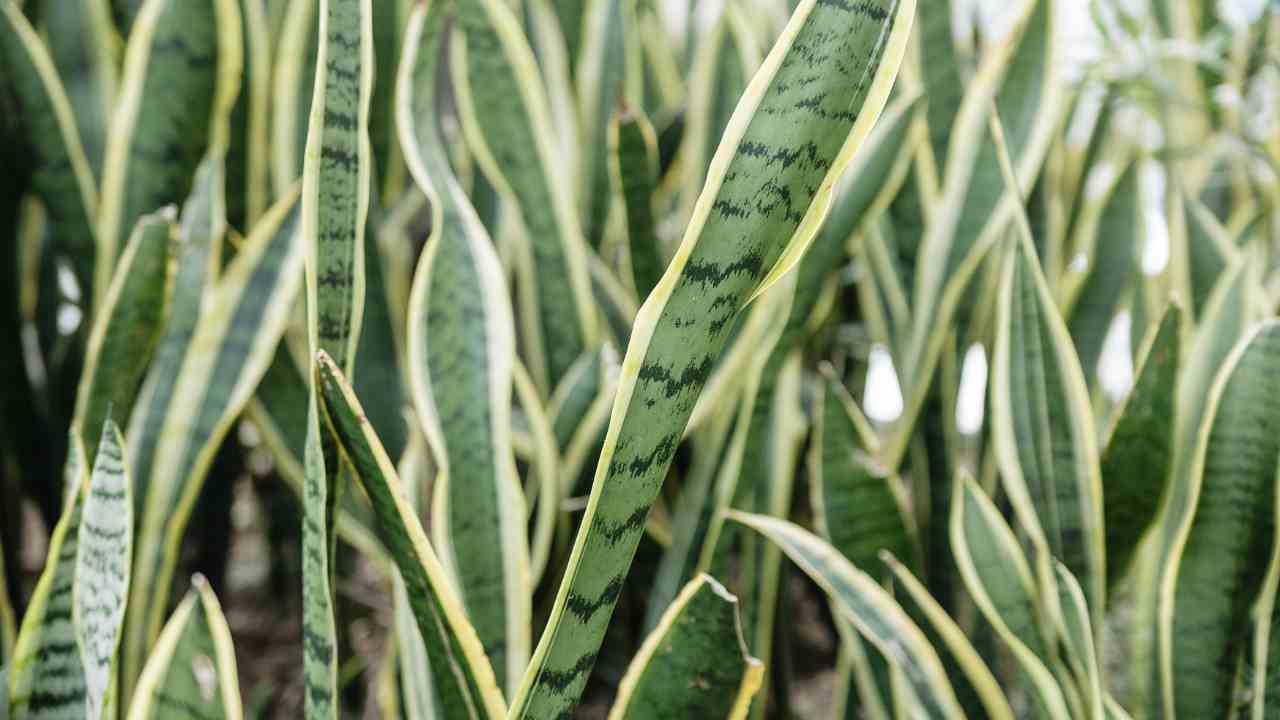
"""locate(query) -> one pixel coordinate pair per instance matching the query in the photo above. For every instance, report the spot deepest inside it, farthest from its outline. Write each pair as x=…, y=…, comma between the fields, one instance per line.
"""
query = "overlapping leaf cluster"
x=550, y=328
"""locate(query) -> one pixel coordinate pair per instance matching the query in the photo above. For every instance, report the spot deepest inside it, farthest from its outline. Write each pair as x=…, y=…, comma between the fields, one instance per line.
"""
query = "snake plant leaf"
x=1113, y=266
x=579, y=409
x=46, y=677
x=279, y=411
x=231, y=348
x=736, y=245
x=1265, y=657
x=83, y=47
x=102, y=560
x=975, y=206
x=695, y=663
x=694, y=515
x=1210, y=251
x=999, y=580
x=199, y=258
x=336, y=184
x=181, y=60
x=1074, y=628
x=863, y=602
x=545, y=483
x=61, y=174
x=292, y=86
x=1219, y=554
x=1137, y=459
x=970, y=662
x=380, y=375
x=8, y=623
x=855, y=505
x=461, y=674
x=515, y=146
x=461, y=350
x=192, y=670
x=725, y=60
x=1043, y=427
x=248, y=191
x=633, y=148
x=126, y=328
x=606, y=75
x=940, y=74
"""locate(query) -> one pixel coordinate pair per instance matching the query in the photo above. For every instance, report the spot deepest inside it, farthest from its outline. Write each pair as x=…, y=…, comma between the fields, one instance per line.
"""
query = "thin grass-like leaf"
x=695, y=663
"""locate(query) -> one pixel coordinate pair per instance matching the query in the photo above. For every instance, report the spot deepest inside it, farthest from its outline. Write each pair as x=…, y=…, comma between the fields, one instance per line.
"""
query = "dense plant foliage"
x=555, y=358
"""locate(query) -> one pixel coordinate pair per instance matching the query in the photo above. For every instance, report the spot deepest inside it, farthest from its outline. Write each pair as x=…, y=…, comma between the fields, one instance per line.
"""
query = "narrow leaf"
x=102, y=571
x=461, y=674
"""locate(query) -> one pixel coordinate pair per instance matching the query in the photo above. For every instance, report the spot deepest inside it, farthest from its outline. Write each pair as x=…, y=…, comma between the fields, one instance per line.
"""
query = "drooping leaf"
x=103, y=554
x=734, y=248
x=695, y=663
x=192, y=670
x=461, y=675
x=861, y=601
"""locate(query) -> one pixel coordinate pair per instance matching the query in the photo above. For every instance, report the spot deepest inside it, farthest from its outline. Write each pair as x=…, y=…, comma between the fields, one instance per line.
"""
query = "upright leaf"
x=126, y=328
x=1016, y=78
x=46, y=678
x=507, y=122
x=231, y=347
x=61, y=173
x=1137, y=460
x=179, y=53
x=1219, y=554
x=1000, y=581
x=193, y=667
x=634, y=163
x=1045, y=441
x=336, y=180
x=461, y=674
x=695, y=663
x=102, y=571
x=461, y=354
